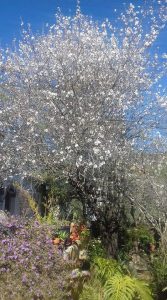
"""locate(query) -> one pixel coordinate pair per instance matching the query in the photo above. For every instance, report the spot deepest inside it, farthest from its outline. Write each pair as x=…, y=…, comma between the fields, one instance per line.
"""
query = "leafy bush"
x=113, y=284
x=105, y=268
x=125, y=287
x=142, y=235
x=30, y=267
x=62, y=235
x=92, y=290
x=159, y=273
x=62, y=195
x=96, y=249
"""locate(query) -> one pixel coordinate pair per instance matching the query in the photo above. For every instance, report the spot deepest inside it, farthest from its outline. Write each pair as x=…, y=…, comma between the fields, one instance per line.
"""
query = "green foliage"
x=110, y=282
x=49, y=218
x=29, y=202
x=53, y=221
x=92, y=290
x=76, y=210
x=63, y=195
x=62, y=235
x=142, y=289
x=96, y=249
x=58, y=194
x=85, y=234
x=105, y=268
x=142, y=235
x=159, y=273
x=119, y=287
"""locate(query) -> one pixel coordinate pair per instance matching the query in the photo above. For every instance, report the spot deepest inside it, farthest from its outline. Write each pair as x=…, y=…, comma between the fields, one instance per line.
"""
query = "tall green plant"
x=119, y=287
x=124, y=287
x=114, y=284
x=92, y=290
x=159, y=273
x=105, y=268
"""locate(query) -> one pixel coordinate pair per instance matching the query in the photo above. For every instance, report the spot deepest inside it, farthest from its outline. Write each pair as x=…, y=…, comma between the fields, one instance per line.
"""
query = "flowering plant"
x=30, y=267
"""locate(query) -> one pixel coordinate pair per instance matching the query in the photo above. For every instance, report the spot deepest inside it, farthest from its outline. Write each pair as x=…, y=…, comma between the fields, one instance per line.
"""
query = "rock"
x=3, y=218
x=139, y=266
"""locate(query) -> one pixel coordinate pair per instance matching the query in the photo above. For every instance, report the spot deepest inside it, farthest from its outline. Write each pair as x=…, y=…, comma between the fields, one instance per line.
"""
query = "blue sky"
x=40, y=12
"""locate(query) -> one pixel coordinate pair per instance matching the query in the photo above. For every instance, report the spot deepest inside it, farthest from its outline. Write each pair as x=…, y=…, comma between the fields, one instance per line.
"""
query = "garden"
x=83, y=159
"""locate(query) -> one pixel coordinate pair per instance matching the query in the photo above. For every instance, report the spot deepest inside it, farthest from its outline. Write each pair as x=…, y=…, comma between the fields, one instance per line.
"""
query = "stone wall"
x=15, y=200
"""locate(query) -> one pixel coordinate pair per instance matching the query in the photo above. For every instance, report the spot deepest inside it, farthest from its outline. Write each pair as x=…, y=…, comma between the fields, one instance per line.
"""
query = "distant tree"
x=148, y=190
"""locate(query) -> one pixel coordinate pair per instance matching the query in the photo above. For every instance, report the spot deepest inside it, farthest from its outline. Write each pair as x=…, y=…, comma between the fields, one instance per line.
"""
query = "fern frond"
x=119, y=287
x=142, y=289
x=105, y=268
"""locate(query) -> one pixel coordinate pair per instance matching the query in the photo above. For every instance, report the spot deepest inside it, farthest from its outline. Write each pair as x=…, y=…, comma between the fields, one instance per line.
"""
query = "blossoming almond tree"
x=76, y=100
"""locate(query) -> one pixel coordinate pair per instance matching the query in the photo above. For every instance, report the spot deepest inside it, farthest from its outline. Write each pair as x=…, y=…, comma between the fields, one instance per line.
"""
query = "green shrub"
x=62, y=235
x=92, y=290
x=96, y=249
x=159, y=273
x=105, y=268
x=109, y=282
x=120, y=287
x=142, y=235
